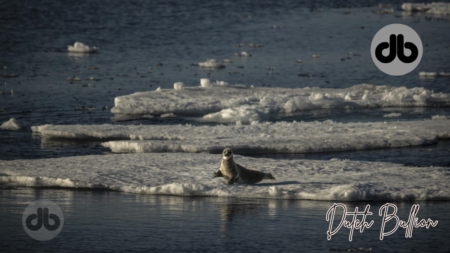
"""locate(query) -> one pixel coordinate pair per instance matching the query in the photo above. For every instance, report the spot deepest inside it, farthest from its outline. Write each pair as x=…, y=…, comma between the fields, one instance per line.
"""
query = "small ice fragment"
x=211, y=63
x=79, y=47
x=315, y=56
x=178, y=86
x=243, y=54
x=205, y=82
x=11, y=124
x=299, y=61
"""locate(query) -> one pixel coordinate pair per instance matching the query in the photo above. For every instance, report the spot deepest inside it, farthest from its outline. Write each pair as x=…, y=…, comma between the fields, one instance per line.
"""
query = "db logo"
x=42, y=220
x=396, y=49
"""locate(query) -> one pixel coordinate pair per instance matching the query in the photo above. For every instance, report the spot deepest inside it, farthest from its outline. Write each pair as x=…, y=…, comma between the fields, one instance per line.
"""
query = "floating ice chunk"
x=205, y=83
x=433, y=8
x=315, y=56
x=440, y=117
x=245, y=114
x=158, y=89
x=392, y=115
x=243, y=54
x=178, y=86
x=221, y=83
x=191, y=175
x=211, y=63
x=79, y=47
x=11, y=124
x=227, y=61
x=434, y=74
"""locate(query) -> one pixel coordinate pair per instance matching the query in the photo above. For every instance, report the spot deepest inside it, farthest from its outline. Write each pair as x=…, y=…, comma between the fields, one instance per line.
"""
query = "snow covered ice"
x=191, y=175
x=279, y=137
x=79, y=47
x=198, y=101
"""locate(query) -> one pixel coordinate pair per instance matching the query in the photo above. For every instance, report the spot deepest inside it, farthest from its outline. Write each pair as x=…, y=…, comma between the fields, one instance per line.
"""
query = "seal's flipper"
x=268, y=176
x=218, y=174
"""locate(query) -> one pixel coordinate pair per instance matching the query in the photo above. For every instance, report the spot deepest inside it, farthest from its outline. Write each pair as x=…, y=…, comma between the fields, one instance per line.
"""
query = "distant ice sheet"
x=279, y=137
x=79, y=47
x=433, y=8
x=198, y=101
x=11, y=124
x=434, y=74
x=191, y=175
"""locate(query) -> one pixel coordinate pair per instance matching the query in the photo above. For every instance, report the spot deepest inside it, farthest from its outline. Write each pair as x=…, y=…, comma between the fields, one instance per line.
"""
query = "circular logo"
x=42, y=220
x=396, y=49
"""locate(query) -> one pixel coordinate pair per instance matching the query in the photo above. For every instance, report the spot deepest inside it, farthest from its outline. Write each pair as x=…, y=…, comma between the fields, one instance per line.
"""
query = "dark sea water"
x=136, y=35
x=97, y=221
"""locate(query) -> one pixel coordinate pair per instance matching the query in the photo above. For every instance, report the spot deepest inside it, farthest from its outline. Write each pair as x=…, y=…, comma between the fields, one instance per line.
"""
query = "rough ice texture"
x=79, y=47
x=433, y=8
x=198, y=101
x=11, y=124
x=279, y=137
x=211, y=64
x=245, y=114
x=191, y=175
x=434, y=74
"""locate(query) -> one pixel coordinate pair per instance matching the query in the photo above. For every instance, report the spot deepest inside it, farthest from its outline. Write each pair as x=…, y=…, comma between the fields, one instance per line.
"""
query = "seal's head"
x=227, y=154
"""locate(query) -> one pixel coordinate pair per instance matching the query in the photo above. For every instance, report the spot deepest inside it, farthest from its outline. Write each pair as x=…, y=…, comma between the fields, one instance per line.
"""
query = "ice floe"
x=11, y=124
x=192, y=175
x=279, y=137
x=79, y=47
x=433, y=8
x=211, y=63
x=197, y=101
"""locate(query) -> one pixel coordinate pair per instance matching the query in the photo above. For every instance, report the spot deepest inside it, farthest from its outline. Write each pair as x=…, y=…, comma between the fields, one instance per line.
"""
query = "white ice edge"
x=227, y=103
x=279, y=137
x=191, y=175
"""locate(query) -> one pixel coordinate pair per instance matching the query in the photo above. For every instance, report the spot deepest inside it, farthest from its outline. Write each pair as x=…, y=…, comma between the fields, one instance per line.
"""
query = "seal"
x=235, y=173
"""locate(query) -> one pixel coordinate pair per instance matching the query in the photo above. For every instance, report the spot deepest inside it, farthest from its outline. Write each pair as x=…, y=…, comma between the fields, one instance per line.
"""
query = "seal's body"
x=235, y=173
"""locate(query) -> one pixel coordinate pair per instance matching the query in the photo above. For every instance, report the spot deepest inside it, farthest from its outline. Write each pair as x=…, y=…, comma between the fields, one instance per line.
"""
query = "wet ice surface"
x=207, y=224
